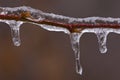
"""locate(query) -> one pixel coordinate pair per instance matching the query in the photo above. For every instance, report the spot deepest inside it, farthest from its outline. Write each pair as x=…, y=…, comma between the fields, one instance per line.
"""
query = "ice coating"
x=40, y=15
x=35, y=16
x=54, y=28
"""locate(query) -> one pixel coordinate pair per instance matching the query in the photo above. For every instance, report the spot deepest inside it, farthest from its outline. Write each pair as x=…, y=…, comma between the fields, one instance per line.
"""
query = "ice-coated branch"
x=28, y=14
x=75, y=27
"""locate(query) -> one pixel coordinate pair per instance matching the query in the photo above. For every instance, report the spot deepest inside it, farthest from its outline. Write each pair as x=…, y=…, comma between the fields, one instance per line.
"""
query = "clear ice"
x=102, y=37
x=38, y=15
x=15, y=31
x=75, y=38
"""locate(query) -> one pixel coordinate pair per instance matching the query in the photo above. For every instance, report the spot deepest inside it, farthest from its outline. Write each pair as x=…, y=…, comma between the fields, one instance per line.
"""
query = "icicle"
x=75, y=37
x=102, y=38
x=15, y=26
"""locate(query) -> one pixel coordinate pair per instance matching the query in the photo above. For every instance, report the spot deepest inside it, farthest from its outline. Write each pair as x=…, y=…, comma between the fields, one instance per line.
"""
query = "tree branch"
x=27, y=14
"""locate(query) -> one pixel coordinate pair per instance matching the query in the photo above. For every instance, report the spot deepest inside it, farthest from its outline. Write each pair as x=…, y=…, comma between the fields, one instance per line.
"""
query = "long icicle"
x=75, y=38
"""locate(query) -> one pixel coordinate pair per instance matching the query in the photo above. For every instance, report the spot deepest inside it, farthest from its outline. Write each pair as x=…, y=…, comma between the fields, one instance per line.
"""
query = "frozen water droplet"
x=102, y=38
x=15, y=26
x=75, y=38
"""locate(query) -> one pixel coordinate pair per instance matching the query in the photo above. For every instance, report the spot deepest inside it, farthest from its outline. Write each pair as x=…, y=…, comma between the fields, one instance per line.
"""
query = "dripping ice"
x=15, y=30
x=38, y=15
x=102, y=34
x=75, y=39
x=102, y=39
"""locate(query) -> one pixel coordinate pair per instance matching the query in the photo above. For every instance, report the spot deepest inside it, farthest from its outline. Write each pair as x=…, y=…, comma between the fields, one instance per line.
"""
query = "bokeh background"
x=46, y=55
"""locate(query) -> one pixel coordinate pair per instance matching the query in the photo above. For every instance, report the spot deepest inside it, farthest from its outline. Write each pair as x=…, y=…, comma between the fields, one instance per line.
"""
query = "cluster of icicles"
x=101, y=33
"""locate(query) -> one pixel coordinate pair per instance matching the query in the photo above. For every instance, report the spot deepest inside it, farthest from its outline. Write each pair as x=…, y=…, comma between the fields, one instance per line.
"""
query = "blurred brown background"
x=46, y=55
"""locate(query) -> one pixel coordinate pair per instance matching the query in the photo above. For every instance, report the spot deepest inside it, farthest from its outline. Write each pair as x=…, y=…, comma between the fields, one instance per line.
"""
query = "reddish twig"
x=71, y=26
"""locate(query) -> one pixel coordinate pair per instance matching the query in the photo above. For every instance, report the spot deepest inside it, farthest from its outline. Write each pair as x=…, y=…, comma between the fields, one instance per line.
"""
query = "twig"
x=72, y=24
